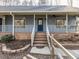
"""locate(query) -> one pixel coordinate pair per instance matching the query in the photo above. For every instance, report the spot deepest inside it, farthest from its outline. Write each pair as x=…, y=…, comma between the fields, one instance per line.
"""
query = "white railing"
x=47, y=32
x=29, y=28
x=48, y=39
x=69, y=55
x=9, y=28
x=32, y=35
x=5, y=28
x=51, y=40
x=69, y=28
x=24, y=28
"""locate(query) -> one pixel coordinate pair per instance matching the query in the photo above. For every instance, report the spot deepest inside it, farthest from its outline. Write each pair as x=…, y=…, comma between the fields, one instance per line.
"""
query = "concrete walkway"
x=73, y=52
x=30, y=56
x=44, y=50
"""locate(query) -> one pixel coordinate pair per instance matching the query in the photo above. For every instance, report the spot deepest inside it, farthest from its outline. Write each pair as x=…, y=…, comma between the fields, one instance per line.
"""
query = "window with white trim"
x=60, y=22
x=42, y=2
x=20, y=23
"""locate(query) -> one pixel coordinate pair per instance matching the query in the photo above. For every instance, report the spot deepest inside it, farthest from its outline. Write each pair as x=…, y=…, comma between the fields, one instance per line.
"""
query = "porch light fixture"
x=54, y=15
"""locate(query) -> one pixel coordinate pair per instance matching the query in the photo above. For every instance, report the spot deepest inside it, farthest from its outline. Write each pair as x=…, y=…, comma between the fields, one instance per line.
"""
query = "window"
x=20, y=23
x=42, y=1
x=60, y=22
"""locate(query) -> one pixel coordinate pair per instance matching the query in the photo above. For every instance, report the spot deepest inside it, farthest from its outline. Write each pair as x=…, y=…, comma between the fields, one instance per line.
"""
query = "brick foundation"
x=4, y=33
x=27, y=35
x=19, y=35
x=23, y=36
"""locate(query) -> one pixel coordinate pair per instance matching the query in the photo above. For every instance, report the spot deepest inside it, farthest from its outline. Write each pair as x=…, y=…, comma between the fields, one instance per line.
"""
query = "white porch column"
x=46, y=19
x=66, y=22
x=47, y=30
x=3, y=24
x=13, y=30
x=33, y=32
x=34, y=19
x=77, y=24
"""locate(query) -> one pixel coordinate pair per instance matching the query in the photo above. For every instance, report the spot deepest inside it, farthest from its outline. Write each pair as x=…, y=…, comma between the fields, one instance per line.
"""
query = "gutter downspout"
x=13, y=24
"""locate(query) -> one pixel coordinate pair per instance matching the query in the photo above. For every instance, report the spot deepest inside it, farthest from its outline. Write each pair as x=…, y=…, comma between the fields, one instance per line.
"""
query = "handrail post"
x=48, y=39
x=33, y=32
x=63, y=49
x=66, y=22
x=53, y=49
x=77, y=28
x=34, y=25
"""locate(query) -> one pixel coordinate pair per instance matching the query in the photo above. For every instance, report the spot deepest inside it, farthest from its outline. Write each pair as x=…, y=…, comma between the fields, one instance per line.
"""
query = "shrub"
x=7, y=38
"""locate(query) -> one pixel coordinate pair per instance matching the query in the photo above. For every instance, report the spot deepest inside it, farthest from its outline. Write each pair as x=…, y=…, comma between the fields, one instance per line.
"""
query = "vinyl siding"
x=30, y=21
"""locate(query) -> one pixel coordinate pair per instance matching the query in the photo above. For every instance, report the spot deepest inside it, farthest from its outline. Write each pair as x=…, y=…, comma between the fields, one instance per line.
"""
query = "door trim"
x=3, y=20
x=40, y=24
x=1, y=25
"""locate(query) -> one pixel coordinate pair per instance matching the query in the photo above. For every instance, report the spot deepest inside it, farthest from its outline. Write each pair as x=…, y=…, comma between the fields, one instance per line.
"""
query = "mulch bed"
x=67, y=38
x=21, y=54
x=17, y=44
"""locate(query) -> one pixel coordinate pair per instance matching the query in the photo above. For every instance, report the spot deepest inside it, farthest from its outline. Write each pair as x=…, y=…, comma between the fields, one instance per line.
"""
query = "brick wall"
x=19, y=35
x=4, y=33
x=23, y=36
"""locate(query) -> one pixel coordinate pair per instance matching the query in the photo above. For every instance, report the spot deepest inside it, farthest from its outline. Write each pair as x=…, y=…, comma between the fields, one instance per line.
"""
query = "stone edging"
x=6, y=50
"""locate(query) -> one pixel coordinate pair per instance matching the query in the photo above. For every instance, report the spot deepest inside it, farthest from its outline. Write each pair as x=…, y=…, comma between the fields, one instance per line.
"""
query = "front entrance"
x=0, y=24
x=40, y=24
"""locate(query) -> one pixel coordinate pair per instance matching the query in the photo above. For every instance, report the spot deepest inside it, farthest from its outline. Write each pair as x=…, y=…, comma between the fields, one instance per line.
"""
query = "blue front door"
x=40, y=24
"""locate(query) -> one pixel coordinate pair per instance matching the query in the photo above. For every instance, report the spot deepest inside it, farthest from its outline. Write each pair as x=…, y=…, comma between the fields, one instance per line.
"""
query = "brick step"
x=41, y=32
x=40, y=42
x=40, y=36
x=40, y=39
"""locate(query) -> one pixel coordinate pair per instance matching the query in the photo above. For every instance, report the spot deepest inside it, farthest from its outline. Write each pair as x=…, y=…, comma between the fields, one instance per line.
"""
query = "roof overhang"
x=37, y=13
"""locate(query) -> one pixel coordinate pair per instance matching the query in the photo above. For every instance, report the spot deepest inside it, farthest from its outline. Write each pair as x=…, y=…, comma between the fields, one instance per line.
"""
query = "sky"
x=61, y=2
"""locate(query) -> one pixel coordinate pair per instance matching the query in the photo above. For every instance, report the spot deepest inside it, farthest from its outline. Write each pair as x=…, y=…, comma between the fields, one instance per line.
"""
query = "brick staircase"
x=40, y=39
